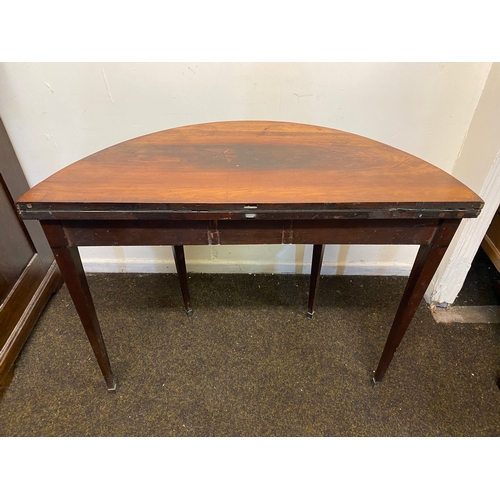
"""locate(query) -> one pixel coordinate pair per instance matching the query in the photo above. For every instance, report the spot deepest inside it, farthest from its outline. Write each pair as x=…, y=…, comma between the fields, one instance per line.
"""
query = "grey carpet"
x=249, y=363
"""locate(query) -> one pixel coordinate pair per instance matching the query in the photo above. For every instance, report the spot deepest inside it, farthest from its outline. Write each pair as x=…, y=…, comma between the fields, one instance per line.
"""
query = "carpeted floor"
x=249, y=362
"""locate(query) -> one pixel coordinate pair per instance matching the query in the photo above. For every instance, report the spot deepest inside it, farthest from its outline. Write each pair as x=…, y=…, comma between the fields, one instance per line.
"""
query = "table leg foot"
x=375, y=383
x=189, y=312
x=309, y=314
x=111, y=386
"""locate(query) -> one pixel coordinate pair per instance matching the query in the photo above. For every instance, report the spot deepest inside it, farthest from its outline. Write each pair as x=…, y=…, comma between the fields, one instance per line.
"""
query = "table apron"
x=231, y=232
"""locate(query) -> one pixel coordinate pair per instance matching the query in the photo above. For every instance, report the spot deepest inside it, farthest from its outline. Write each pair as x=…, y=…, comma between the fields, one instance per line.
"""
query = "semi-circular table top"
x=251, y=162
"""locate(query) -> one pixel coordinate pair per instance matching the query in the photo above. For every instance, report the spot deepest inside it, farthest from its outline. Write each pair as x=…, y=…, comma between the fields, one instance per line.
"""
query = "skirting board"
x=245, y=267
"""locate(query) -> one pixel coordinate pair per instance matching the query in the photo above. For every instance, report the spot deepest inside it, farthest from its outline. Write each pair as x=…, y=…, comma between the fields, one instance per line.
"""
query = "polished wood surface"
x=254, y=164
x=249, y=182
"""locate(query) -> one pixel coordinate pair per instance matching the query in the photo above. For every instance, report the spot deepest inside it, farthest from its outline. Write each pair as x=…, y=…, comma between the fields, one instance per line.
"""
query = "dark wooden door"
x=28, y=273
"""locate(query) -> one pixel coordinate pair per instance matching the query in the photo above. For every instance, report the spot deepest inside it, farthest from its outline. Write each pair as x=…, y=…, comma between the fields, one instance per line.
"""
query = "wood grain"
x=249, y=162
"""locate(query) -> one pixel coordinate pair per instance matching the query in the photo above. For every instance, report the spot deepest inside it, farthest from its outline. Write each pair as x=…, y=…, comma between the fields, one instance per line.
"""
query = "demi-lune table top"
x=270, y=165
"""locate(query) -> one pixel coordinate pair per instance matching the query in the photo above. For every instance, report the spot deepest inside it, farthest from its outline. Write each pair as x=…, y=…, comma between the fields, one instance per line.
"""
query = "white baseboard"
x=245, y=267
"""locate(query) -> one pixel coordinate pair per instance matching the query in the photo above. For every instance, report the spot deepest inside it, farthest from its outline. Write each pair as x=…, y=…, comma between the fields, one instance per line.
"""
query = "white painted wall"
x=57, y=113
x=478, y=167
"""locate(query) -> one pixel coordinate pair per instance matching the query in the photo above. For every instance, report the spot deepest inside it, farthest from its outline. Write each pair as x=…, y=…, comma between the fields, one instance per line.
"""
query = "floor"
x=249, y=362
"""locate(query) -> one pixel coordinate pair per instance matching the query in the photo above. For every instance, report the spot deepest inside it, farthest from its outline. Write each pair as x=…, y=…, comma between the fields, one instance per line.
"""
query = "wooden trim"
x=20, y=331
x=16, y=302
x=16, y=184
x=273, y=211
x=5, y=379
x=234, y=232
x=491, y=251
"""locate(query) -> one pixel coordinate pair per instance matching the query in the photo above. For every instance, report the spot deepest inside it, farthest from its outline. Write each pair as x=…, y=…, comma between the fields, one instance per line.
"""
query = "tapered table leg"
x=70, y=265
x=180, y=264
x=317, y=260
x=426, y=264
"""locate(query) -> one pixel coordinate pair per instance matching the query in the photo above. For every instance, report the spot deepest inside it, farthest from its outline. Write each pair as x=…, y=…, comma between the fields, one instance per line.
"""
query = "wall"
x=478, y=167
x=57, y=113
